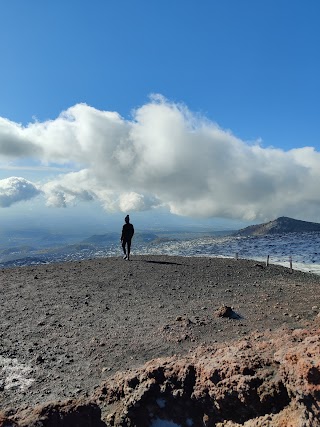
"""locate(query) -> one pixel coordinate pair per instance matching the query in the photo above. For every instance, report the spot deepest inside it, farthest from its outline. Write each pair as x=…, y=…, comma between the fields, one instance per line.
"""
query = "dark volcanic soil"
x=66, y=327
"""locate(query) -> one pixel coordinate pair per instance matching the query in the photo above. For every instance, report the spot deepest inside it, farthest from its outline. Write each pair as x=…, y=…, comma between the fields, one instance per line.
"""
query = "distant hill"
x=280, y=225
x=104, y=239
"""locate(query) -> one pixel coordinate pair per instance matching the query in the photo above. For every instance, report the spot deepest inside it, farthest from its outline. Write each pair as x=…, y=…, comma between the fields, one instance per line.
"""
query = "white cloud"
x=165, y=155
x=14, y=142
x=15, y=189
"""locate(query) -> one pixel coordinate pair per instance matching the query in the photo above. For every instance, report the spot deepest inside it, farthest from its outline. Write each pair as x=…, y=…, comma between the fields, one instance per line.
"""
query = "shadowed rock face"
x=66, y=414
x=281, y=225
x=270, y=380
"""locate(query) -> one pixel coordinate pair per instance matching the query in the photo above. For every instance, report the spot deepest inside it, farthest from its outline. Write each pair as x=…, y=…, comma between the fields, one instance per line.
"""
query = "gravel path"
x=66, y=327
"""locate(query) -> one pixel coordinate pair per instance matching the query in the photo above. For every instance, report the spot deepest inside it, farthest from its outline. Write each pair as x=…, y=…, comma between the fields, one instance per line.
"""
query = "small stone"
x=225, y=311
x=39, y=359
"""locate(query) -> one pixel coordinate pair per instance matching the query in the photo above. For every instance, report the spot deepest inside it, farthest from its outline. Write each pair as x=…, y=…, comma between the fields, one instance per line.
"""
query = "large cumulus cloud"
x=165, y=156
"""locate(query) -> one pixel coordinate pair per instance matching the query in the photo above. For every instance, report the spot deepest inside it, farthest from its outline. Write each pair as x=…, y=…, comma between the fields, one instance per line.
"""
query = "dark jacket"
x=127, y=231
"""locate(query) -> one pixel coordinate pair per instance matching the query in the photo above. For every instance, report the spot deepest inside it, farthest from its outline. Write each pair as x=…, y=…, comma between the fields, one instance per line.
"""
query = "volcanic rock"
x=274, y=381
x=225, y=311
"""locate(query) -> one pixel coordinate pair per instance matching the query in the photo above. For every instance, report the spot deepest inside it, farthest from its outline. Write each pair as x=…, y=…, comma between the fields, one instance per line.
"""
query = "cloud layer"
x=164, y=156
x=13, y=190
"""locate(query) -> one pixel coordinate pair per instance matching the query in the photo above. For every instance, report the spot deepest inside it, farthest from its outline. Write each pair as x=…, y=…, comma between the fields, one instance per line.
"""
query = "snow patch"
x=158, y=422
x=161, y=403
x=14, y=375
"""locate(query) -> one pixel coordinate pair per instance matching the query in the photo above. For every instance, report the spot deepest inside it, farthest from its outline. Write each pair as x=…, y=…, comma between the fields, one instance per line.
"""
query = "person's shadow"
x=162, y=262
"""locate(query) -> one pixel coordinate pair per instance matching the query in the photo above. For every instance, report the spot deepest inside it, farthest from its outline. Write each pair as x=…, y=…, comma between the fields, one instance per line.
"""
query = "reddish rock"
x=274, y=382
x=270, y=380
x=66, y=414
x=224, y=311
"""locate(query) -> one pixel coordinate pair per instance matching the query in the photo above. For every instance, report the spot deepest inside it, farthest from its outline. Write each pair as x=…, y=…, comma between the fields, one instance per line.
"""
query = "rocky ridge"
x=274, y=381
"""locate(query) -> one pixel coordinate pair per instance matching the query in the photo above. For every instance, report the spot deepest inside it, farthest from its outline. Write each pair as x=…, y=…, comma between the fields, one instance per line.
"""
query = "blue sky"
x=245, y=68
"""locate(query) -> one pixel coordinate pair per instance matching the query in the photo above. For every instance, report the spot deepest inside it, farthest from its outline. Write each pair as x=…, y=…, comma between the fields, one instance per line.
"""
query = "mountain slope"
x=112, y=237
x=279, y=226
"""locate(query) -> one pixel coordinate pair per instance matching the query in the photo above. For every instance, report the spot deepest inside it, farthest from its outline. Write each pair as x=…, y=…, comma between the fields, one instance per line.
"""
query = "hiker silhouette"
x=126, y=236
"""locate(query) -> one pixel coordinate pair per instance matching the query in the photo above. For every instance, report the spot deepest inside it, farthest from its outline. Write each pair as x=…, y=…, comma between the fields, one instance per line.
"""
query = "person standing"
x=126, y=236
